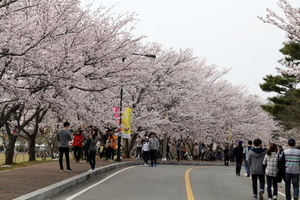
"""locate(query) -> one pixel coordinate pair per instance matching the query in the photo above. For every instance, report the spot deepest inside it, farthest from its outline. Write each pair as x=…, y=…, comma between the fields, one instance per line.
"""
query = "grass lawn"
x=20, y=160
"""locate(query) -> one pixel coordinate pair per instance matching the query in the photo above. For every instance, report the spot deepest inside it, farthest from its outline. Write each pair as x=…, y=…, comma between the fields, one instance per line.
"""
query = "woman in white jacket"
x=271, y=161
x=145, y=151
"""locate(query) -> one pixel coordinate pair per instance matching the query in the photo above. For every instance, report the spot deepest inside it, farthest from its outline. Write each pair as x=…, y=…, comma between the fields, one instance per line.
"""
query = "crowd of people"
x=273, y=163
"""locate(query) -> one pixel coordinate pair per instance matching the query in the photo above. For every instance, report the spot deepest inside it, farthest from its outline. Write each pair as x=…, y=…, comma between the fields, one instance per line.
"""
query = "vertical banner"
x=116, y=111
x=126, y=122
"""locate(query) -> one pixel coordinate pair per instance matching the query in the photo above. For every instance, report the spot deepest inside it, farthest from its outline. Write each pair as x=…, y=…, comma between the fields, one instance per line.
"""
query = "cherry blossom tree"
x=290, y=24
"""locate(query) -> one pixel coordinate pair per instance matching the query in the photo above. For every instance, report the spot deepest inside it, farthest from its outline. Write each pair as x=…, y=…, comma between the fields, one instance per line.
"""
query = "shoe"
x=91, y=170
x=248, y=175
x=150, y=165
x=145, y=164
x=274, y=197
x=155, y=165
x=295, y=198
x=69, y=170
x=112, y=161
x=61, y=170
x=254, y=197
x=269, y=198
x=261, y=197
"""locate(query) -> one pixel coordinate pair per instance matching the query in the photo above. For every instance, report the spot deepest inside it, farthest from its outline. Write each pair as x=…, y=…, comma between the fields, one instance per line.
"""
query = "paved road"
x=165, y=182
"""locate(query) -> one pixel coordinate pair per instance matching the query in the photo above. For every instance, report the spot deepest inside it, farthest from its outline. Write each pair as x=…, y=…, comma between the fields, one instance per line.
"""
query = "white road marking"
x=90, y=187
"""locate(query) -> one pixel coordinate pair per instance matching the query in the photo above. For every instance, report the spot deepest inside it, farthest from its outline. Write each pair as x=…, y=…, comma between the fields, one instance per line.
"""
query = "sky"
x=224, y=32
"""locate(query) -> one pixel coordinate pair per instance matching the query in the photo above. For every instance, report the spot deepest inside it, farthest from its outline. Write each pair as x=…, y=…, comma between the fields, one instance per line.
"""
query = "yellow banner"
x=126, y=122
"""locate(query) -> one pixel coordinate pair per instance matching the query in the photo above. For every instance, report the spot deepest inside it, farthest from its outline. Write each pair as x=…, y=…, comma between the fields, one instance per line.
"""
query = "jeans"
x=153, y=154
x=92, y=159
x=271, y=181
x=111, y=153
x=261, y=179
x=86, y=151
x=247, y=167
x=138, y=152
x=226, y=160
x=294, y=178
x=77, y=152
x=178, y=154
x=238, y=166
x=62, y=151
x=145, y=156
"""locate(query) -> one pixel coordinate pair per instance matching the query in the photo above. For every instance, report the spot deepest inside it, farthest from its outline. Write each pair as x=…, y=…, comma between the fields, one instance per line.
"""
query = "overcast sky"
x=225, y=32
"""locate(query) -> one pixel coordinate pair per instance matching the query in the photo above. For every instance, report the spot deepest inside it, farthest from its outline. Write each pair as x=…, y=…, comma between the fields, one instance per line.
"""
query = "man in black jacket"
x=238, y=152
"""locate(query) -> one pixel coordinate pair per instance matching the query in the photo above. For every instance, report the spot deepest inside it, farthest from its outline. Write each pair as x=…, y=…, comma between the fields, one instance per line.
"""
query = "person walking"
x=177, y=145
x=93, y=139
x=77, y=144
x=255, y=162
x=219, y=151
x=101, y=150
x=291, y=158
x=226, y=155
x=200, y=151
x=196, y=151
x=145, y=150
x=139, y=146
x=112, y=140
x=106, y=144
x=238, y=152
x=271, y=161
x=153, y=147
x=246, y=156
x=85, y=134
x=64, y=136
x=280, y=152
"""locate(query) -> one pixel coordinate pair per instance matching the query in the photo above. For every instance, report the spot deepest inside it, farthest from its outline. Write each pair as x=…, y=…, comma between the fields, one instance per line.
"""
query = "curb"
x=56, y=188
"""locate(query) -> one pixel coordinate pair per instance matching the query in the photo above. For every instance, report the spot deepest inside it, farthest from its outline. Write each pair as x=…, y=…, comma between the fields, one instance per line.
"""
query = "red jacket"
x=78, y=140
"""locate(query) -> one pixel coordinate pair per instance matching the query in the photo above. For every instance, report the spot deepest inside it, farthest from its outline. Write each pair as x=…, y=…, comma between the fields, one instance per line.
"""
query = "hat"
x=291, y=142
x=240, y=142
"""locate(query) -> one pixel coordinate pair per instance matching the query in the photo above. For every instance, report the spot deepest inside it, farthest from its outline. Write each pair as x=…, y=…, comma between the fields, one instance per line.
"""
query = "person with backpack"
x=246, y=157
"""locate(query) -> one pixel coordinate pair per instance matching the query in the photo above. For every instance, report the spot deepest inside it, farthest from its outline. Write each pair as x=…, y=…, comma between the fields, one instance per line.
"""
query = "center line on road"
x=188, y=186
x=88, y=188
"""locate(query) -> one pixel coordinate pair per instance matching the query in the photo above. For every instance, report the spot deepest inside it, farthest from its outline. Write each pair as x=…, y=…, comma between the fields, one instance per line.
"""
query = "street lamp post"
x=165, y=143
x=121, y=99
x=120, y=123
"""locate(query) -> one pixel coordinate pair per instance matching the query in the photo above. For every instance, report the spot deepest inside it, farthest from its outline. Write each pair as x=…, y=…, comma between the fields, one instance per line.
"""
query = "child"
x=101, y=150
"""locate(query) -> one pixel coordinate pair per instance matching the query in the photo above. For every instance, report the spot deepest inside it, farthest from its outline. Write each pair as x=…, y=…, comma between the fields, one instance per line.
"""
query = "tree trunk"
x=10, y=149
x=130, y=145
x=31, y=150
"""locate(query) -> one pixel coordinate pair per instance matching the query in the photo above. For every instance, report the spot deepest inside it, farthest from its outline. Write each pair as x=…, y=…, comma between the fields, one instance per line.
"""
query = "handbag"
x=279, y=176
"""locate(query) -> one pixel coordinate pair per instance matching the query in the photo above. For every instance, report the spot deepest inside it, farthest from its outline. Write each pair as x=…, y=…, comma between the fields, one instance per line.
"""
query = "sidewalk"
x=46, y=179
